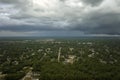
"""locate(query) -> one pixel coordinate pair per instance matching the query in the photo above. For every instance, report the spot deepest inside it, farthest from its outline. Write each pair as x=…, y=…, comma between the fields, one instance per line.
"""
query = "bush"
x=14, y=76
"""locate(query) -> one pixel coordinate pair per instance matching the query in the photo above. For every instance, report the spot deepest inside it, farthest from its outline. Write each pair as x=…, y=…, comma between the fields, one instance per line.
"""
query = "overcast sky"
x=59, y=17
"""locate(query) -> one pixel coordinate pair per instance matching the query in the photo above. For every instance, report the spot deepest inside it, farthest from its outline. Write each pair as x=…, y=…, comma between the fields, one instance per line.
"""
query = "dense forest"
x=60, y=59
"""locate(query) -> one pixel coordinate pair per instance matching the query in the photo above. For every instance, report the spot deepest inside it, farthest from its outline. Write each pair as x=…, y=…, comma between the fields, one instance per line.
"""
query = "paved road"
x=43, y=57
x=59, y=53
x=28, y=75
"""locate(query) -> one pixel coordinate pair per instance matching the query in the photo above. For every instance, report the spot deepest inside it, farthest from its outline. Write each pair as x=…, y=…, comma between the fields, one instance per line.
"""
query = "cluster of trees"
x=95, y=59
x=77, y=71
x=14, y=76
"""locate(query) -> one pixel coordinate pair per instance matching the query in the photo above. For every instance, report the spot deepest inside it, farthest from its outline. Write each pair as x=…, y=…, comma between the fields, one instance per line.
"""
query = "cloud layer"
x=78, y=17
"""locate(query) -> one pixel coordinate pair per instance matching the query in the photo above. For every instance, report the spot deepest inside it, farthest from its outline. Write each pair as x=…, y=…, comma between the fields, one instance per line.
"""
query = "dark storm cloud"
x=18, y=17
x=106, y=30
x=15, y=2
x=9, y=1
x=86, y=16
x=27, y=28
x=93, y=2
x=100, y=23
